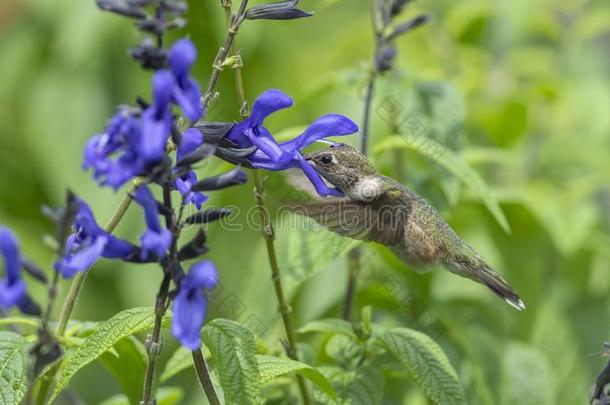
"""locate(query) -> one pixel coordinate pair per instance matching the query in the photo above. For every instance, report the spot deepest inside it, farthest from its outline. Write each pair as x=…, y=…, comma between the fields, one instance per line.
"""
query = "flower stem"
x=353, y=263
x=204, y=376
x=284, y=307
x=153, y=342
x=232, y=30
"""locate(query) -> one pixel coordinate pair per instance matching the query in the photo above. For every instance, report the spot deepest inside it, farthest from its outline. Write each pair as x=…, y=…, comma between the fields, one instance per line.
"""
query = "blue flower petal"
x=189, y=313
x=188, y=96
x=323, y=127
x=82, y=259
x=266, y=104
x=317, y=181
x=157, y=242
x=145, y=198
x=181, y=57
x=191, y=140
x=202, y=275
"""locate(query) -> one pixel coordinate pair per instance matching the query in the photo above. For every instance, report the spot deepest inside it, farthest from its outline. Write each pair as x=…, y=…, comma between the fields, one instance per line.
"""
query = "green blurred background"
x=518, y=90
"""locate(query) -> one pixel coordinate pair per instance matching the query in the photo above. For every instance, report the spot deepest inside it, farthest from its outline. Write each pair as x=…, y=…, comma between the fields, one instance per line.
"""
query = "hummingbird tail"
x=480, y=271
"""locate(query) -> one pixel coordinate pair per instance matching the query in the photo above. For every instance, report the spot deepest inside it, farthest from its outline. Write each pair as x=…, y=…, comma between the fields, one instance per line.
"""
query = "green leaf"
x=107, y=334
x=181, y=360
x=271, y=367
x=427, y=363
x=331, y=325
x=528, y=377
x=451, y=161
x=232, y=347
x=128, y=366
x=13, y=367
x=363, y=386
x=165, y=396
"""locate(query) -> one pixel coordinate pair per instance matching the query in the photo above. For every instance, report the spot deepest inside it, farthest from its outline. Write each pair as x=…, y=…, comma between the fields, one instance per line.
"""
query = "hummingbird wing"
x=378, y=221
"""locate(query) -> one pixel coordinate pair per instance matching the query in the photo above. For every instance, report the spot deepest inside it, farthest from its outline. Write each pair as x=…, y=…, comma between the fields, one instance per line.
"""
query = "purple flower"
x=12, y=288
x=155, y=239
x=113, y=155
x=190, y=305
x=135, y=142
x=191, y=140
x=88, y=243
x=273, y=156
x=186, y=92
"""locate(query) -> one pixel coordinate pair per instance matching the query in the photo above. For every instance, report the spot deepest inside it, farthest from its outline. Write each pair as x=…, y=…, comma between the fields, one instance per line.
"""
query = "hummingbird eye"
x=326, y=159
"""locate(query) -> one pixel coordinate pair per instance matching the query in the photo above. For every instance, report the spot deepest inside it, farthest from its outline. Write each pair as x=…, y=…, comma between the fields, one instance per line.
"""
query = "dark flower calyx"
x=409, y=25
x=208, y=216
x=122, y=7
x=232, y=177
x=194, y=248
x=149, y=56
x=281, y=10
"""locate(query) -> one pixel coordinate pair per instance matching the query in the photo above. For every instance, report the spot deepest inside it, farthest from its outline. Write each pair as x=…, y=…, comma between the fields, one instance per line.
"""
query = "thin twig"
x=223, y=51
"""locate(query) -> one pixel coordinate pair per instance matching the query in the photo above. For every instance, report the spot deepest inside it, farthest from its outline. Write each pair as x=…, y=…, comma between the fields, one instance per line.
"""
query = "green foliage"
x=180, y=360
x=328, y=326
x=527, y=377
x=14, y=350
x=363, y=386
x=232, y=348
x=165, y=396
x=513, y=100
x=271, y=367
x=127, y=365
x=427, y=364
x=105, y=336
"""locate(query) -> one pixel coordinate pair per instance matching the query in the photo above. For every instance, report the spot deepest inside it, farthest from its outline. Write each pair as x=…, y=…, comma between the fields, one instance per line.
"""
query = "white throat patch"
x=366, y=189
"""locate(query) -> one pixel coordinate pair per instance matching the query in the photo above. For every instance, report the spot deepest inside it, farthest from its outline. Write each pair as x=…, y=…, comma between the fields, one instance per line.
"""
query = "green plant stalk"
x=284, y=307
x=268, y=233
x=204, y=376
x=153, y=342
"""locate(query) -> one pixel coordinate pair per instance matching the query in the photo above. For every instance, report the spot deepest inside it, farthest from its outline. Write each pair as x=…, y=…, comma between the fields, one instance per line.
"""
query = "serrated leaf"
x=271, y=367
x=527, y=377
x=363, y=386
x=165, y=396
x=13, y=367
x=427, y=364
x=233, y=347
x=128, y=366
x=451, y=161
x=331, y=325
x=121, y=325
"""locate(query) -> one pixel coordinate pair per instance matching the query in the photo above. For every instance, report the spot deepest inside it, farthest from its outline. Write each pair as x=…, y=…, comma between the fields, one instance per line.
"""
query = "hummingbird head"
x=342, y=165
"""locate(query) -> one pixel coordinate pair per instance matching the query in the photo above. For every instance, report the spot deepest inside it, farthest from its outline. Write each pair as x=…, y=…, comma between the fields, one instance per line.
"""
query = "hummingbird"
x=377, y=208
